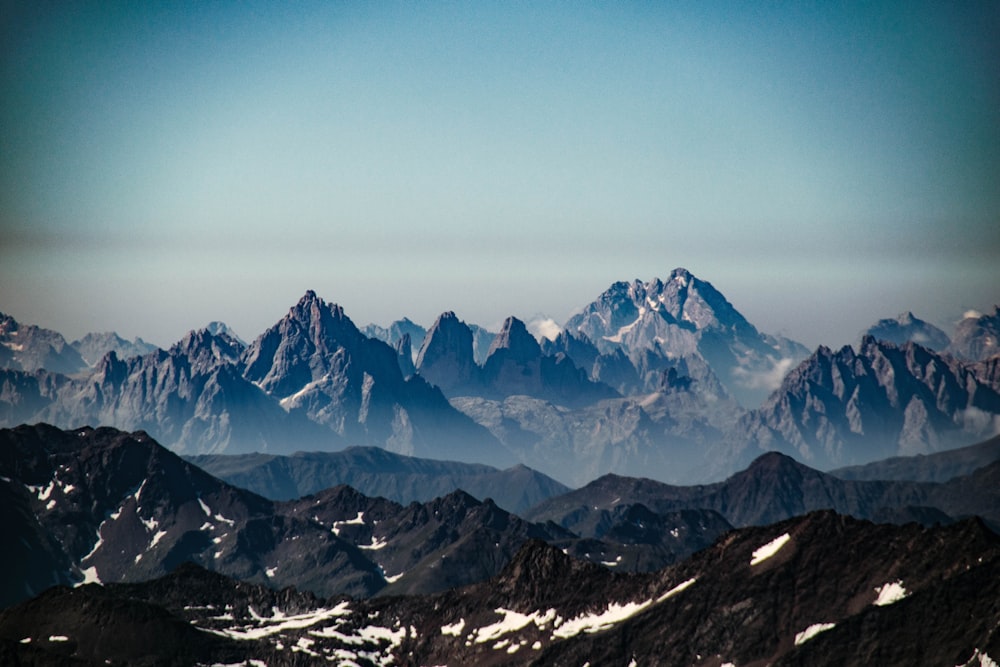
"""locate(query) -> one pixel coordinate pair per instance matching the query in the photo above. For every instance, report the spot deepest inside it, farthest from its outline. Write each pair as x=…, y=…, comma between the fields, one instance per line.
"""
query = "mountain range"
x=775, y=487
x=822, y=589
x=663, y=379
x=849, y=407
x=376, y=472
x=101, y=505
x=363, y=496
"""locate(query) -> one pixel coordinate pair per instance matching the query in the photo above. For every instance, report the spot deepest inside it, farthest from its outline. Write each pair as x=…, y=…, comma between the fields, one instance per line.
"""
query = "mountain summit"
x=684, y=317
x=907, y=327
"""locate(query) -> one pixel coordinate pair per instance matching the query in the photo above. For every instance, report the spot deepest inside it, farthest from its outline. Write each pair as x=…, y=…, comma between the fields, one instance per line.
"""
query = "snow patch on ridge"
x=359, y=520
x=769, y=549
x=289, y=401
x=454, y=629
x=890, y=593
x=812, y=631
x=279, y=622
x=512, y=621
x=90, y=576
x=590, y=623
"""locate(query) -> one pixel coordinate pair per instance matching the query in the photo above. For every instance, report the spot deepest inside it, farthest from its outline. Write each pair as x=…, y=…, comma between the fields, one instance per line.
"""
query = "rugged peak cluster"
x=661, y=377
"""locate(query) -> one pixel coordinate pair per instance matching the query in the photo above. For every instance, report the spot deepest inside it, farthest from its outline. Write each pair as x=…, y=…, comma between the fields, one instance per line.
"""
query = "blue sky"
x=822, y=164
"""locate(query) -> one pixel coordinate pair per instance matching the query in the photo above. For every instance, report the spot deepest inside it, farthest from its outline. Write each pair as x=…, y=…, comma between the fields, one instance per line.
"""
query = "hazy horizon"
x=822, y=166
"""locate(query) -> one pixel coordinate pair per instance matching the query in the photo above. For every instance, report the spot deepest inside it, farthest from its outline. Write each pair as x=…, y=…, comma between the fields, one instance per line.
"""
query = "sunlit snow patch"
x=676, y=589
x=769, y=549
x=977, y=660
x=512, y=621
x=615, y=613
x=356, y=521
x=889, y=593
x=280, y=622
x=454, y=629
x=377, y=543
x=812, y=631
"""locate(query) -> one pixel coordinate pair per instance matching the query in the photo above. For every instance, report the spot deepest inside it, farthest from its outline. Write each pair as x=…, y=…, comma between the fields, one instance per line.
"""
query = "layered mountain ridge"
x=887, y=594
x=377, y=472
x=849, y=407
x=648, y=379
x=313, y=381
x=101, y=505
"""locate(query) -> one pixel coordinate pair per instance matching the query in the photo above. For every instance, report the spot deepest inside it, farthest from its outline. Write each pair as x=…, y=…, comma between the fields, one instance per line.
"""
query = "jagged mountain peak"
x=217, y=328
x=848, y=407
x=446, y=357
x=687, y=317
x=93, y=346
x=29, y=347
x=302, y=347
x=312, y=310
x=908, y=327
x=977, y=336
x=517, y=340
x=206, y=350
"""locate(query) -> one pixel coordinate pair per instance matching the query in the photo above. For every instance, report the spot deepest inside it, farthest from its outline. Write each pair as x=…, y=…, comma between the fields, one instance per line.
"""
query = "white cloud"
x=979, y=422
x=971, y=314
x=544, y=327
x=767, y=379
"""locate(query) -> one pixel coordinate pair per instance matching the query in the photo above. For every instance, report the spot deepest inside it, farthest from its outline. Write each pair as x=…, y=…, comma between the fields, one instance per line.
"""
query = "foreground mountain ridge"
x=885, y=594
x=101, y=505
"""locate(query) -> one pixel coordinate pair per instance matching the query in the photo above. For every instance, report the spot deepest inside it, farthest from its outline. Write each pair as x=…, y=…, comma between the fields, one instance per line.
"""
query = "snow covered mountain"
x=685, y=317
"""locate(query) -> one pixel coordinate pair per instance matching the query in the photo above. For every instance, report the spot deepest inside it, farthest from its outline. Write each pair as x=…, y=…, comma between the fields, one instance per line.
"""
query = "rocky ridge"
x=818, y=589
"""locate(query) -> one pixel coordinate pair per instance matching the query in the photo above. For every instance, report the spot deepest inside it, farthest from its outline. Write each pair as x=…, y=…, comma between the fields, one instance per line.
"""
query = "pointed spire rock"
x=514, y=337
x=446, y=358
